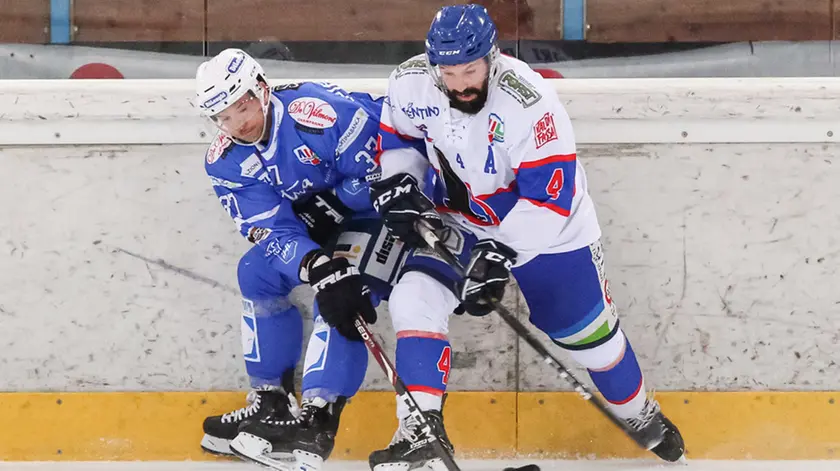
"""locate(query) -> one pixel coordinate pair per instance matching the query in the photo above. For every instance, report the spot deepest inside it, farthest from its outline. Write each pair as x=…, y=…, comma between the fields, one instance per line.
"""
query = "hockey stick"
x=435, y=243
x=405, y=396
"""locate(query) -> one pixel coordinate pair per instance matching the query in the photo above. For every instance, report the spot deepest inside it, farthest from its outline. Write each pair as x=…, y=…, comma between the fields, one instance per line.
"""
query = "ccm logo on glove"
x=391, y=194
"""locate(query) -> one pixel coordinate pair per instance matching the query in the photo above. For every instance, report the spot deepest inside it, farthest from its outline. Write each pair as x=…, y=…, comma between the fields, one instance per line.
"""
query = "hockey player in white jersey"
x=501, y=179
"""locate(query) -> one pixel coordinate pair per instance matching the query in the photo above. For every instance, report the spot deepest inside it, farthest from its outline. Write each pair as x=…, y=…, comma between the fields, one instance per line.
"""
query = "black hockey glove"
x=323, y=213
x=402, y=205
x=339, y=291
x=486, y=276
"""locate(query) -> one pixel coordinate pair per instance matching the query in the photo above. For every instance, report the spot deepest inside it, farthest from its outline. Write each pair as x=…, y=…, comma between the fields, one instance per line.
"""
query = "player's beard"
x=469, y=107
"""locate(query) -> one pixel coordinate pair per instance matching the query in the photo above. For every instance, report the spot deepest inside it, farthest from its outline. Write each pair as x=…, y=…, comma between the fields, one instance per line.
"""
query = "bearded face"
x=467, y=85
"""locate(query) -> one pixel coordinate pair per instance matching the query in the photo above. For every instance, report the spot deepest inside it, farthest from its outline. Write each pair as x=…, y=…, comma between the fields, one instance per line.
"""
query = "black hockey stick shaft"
x=403, y=393
x=432, y=239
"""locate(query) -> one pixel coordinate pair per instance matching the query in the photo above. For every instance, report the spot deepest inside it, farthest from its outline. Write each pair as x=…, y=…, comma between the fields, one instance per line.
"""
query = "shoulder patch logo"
x=221, y=143
x=411, y=67
x=313, y=113
x=357, y=124
x=544, y=130
x=517, y=87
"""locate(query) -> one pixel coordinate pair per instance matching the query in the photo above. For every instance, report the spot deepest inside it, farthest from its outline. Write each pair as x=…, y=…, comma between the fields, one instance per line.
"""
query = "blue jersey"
x=320, y=138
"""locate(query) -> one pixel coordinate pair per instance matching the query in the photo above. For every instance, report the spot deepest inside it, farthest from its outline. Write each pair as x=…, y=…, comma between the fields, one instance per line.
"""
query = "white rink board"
x=476, y=465
x=118, y=264
x=119, y=271
x=51, y=112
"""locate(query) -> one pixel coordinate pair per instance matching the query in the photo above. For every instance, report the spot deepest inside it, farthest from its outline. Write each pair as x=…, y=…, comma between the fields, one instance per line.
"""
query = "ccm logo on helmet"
x=449, y=53
x=236, y=63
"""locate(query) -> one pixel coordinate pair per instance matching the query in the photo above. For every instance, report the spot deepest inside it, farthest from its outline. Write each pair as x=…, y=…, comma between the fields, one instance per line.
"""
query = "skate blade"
x=215, y=445
x=402, y=466
x=258, y=450
x=434, y=464
x=683, y=461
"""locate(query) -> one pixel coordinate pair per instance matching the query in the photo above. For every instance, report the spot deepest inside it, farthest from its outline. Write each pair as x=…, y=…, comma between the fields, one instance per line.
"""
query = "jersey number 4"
x=555, y=184
x=445, y=363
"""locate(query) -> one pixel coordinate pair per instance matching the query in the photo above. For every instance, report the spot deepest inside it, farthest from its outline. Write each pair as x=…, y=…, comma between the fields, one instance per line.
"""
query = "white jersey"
x=509, y=172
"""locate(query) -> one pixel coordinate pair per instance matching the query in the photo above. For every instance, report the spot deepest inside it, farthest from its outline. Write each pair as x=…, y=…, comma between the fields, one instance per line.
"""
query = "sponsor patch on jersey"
x=286, y=252
x=250, y=166
x=420, y=112
x=306, y=155
x=496, y=131
x=544, y=130
x=519, y=88
x=313, y=113
x=357, y=124
x=411, y=67
x=220, y=144
x=216, y=181
x=258, y=234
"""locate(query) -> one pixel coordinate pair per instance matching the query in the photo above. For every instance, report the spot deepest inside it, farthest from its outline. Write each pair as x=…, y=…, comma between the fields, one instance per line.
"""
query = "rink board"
x=167, y=425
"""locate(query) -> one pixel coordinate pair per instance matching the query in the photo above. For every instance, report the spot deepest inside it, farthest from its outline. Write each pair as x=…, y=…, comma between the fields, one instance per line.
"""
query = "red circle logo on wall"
x=96, y=70
x=549, y=73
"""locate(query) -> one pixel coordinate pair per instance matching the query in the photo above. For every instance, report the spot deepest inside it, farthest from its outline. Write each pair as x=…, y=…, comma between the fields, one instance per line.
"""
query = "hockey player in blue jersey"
x=290, y=166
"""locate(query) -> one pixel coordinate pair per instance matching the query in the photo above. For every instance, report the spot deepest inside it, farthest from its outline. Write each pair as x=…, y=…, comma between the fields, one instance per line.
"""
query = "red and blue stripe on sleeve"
x=549, y=182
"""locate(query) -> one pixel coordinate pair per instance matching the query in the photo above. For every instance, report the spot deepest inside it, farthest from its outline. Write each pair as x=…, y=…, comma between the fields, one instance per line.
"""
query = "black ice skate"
x=411, y=447
x=660, y=434
x=290, y=441
x=219, y=430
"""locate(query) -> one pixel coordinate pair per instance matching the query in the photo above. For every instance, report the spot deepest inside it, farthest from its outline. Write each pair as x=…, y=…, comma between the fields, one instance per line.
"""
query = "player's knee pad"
x=333, y=366
x=420, y=303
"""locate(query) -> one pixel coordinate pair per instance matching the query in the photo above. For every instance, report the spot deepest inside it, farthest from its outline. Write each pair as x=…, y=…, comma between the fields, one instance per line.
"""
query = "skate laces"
x=254, y=400
x=308, y=408
x=408, y=430
x=299, y=414
x=647, y=414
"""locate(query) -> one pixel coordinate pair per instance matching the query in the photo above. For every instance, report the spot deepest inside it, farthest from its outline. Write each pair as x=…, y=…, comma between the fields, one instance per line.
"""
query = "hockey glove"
x=402, y=205
x=323, y=214
x=339, y=292
x=486, y=276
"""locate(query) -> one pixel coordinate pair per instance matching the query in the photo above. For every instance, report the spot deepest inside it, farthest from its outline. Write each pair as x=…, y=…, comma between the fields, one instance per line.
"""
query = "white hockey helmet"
x=224, y=79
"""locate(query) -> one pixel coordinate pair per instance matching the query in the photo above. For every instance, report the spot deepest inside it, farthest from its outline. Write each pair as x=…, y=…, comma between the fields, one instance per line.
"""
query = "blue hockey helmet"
x=460, y=34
